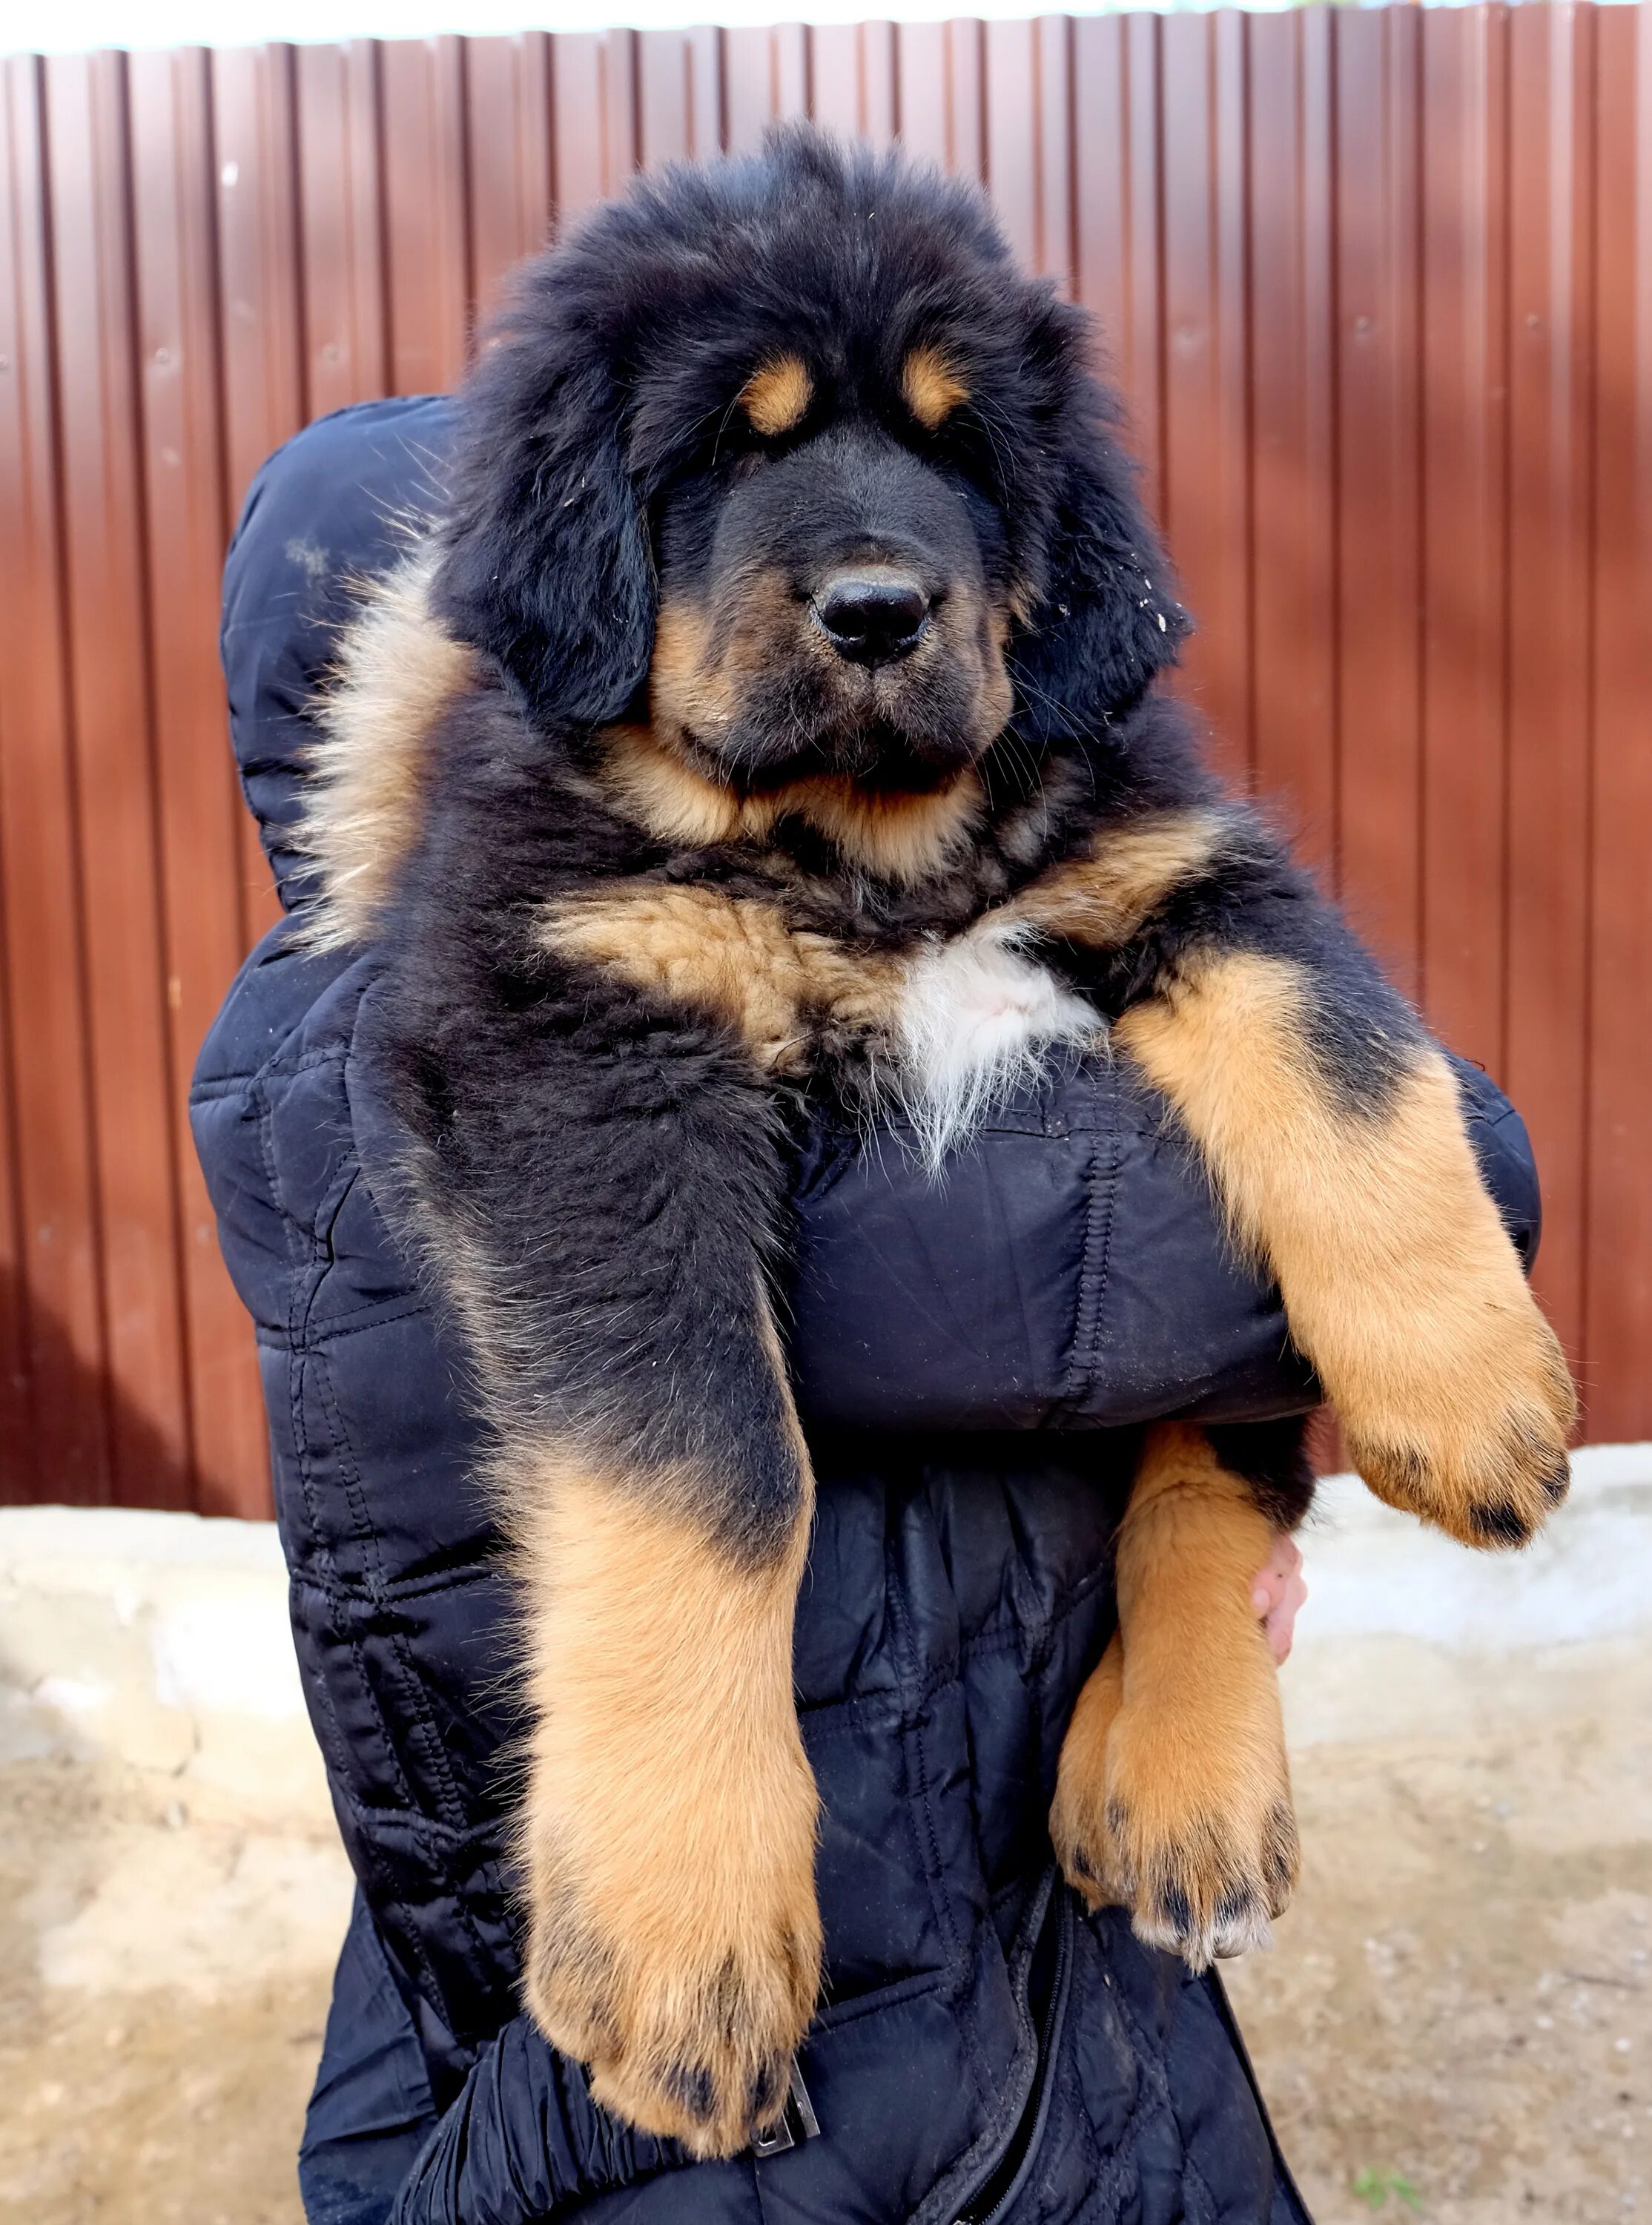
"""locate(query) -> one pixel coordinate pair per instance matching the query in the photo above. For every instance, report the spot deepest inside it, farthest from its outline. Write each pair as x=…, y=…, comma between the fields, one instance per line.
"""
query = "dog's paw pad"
x=706, y=2060
x=1203, y=1851
x=1473, y=1440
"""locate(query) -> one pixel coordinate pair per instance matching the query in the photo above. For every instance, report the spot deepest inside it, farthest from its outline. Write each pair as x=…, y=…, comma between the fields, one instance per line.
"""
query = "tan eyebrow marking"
x=932, y=388
x=776, y=395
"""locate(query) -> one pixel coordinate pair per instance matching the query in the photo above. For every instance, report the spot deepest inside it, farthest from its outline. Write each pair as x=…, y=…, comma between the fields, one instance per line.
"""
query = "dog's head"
x=785, y=458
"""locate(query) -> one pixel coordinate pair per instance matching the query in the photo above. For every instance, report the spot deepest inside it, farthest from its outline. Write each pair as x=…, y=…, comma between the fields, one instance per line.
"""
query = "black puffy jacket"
x=969, y=1358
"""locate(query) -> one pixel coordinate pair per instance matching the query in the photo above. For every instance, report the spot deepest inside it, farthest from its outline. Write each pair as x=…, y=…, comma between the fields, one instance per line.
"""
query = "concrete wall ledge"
x=161, y=1642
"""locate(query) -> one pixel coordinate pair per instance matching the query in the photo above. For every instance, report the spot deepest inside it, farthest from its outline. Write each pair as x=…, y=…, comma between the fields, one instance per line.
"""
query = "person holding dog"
x=996, y=1315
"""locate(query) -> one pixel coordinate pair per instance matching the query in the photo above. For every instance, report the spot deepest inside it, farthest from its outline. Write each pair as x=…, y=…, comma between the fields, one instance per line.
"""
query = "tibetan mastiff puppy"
x=774, y=717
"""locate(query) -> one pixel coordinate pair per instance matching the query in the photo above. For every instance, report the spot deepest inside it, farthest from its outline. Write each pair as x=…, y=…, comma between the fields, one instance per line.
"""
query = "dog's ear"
x=1108, y=618
x=546, y=561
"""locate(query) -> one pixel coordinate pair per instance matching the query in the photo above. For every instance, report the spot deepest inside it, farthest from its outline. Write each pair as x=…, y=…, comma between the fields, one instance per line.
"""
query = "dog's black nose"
x=872, y=616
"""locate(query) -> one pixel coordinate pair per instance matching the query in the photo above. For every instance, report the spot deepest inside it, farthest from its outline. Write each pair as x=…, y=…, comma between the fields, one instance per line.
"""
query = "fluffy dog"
x=772, y=718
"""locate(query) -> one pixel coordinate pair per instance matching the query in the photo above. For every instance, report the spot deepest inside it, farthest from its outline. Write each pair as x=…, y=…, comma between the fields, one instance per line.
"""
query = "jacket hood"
x=339, y=506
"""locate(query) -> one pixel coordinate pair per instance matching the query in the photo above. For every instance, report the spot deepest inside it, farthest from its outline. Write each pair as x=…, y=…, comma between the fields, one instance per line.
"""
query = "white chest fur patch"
x=977, y=1014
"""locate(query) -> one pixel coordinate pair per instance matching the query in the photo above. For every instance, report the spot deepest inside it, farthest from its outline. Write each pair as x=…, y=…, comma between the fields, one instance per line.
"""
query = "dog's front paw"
x=1200, y=1837
x=685, y=1988
x=1469, y=1431
x=686, y=2033
x=1176, y=1805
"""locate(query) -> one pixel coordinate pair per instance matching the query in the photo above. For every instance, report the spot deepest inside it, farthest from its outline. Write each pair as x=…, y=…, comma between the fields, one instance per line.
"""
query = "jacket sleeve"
x=1072, y=1272
x=524, y=2143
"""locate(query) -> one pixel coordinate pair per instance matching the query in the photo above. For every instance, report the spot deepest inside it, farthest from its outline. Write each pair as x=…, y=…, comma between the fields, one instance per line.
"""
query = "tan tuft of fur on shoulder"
x=396, y=670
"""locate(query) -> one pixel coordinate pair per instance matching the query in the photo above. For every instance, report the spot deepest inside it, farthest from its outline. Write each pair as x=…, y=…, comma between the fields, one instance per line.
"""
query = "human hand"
x=1278, y=1592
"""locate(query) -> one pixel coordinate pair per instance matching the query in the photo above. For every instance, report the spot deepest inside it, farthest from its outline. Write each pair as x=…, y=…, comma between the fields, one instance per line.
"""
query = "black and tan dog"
x=771, y=718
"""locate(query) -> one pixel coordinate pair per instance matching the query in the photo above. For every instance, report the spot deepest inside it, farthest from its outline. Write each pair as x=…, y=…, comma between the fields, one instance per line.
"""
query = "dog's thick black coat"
x=798, y=745
x=606, y=405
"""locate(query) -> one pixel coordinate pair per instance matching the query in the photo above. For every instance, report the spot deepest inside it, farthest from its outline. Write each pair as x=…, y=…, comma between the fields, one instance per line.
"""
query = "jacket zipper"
x=1020, y=2151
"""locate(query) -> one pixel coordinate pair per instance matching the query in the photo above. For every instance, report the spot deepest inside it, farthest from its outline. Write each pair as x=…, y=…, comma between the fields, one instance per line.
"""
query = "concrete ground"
x=1455, y=2023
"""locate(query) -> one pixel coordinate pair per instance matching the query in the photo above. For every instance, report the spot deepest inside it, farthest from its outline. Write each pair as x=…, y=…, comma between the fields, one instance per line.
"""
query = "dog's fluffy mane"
x=613, y=368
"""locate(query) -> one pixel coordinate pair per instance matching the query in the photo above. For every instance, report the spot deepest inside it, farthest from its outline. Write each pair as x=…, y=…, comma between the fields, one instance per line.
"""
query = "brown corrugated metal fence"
x=1379, y=285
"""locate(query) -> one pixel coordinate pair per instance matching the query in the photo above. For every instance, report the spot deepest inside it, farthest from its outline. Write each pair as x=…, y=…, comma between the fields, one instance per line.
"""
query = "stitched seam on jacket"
x=422, y=1725
x=1155, y=2052
x=400, y=1588
x=300, y=1357
x=302, y=1248
x=418, y=1822
x=384, y=1311
x=1036, y=1638
x=1108, y=2174
x=295, y=1359
x=923, y=1825
x=912, y=1737
x=214, y=1088
x=258, y=1077
x=1192, y=2166
x=1151, y=2094
x=1100, y=1197
x=894, y=1995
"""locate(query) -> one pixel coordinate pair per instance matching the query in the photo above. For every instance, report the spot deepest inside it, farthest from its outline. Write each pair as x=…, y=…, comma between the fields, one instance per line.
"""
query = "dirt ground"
x=1462, y=1996
x=163, y=1984
x=1457, y=2017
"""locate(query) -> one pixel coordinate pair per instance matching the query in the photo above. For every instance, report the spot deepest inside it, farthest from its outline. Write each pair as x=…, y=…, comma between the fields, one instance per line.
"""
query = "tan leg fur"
x=1173, y=1798
x=1399, y=1281
x=1103, y=897
x=669, y=1832
x=733, y=958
